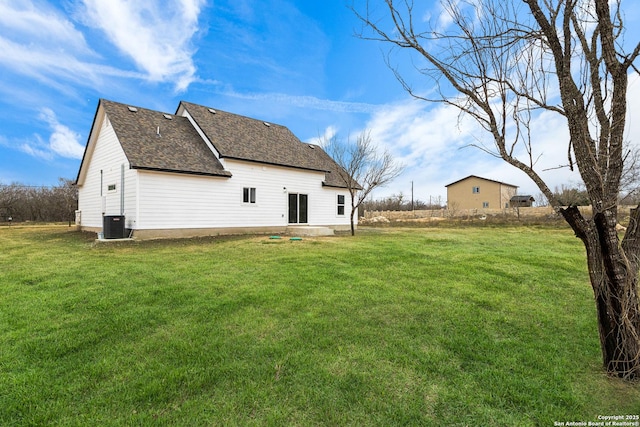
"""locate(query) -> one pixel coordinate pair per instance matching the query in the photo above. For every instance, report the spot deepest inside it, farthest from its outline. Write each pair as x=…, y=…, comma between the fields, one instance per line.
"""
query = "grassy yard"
x=479, y=327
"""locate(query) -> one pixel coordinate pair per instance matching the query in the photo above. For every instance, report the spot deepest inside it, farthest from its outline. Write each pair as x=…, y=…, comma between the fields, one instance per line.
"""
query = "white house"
x=202, y=172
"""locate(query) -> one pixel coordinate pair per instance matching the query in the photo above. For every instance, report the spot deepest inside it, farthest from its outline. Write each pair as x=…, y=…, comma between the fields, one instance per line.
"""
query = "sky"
x=297, y=63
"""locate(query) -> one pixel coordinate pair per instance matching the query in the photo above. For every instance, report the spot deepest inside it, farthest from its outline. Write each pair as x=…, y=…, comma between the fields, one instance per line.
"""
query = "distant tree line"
x=399, y=202
x=578, y=196
x=19, y=202
x=569, y=195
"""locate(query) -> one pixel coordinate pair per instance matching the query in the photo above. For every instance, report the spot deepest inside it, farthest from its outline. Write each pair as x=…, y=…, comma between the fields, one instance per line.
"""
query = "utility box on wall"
x=113, y=227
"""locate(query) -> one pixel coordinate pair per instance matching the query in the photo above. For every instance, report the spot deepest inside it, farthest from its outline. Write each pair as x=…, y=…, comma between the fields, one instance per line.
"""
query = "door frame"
x=299, y=209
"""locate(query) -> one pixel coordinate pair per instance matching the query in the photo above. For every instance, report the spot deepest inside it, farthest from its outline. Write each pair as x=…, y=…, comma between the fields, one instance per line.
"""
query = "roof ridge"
x=480, y=177
x=185, y=144
x=137, y=107
x=231, y=114
x=153, y=142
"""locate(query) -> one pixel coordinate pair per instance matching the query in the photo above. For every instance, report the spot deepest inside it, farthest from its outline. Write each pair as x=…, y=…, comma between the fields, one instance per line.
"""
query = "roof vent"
x=266, y=124
x=212, y=111
x=312, y=146
x=168, y=116
x=132, y=109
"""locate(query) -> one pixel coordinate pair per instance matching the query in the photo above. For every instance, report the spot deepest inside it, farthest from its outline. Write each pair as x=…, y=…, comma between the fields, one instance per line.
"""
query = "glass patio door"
x=298, y=208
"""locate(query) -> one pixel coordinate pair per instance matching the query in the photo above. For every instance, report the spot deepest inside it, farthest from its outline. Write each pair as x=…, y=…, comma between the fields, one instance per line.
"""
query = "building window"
x=476, y=190
x=485, y=205
x=298, y=208
x=249, y=195
x=340, y=204
x=111, y=187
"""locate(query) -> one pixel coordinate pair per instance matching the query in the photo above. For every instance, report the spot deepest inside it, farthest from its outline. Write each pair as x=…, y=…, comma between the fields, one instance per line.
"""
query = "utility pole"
x=411, y=196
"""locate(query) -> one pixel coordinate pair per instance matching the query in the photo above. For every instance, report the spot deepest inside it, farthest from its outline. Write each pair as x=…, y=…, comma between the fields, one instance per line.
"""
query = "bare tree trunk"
x=362, y=168
x=353, y=212
x=571, y=47
x=613, y=272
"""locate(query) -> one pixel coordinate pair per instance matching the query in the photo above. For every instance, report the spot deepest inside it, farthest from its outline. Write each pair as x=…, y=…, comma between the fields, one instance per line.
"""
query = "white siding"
x=328, y=208
x=162, y=200
x=130, y=196
x=104, y=165
x=170, y=200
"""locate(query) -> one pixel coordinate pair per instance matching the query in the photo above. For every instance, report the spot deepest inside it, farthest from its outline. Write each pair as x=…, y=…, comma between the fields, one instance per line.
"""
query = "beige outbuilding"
x=474, y=192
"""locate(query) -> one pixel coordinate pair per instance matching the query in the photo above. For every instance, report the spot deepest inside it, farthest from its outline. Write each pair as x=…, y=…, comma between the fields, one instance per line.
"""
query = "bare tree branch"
x=364, y=167
x=502, y=61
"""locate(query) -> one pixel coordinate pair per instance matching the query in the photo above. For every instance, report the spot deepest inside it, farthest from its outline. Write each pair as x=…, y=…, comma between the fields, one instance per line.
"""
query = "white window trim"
x=251, y=195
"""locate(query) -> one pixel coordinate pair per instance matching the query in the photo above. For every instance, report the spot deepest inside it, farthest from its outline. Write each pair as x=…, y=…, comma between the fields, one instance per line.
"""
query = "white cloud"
x=155, y=34
x=633, y=108
x=433, y=141
x=38, y=42
x=55, y=68
x=328, y=133
x=36, y=148
x=421, y=135
x=37, y=24
x=63, y=142
x=302, y=101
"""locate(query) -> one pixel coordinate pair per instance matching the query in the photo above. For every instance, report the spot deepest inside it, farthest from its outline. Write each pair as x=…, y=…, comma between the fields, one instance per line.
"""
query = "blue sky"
x=292, y=62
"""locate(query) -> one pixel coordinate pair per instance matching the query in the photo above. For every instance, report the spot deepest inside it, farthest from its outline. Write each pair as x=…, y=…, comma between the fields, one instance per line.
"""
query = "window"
x=111, y=187
x=340, y=204
x=485, y=205
x=249, y=195
x=476, y=190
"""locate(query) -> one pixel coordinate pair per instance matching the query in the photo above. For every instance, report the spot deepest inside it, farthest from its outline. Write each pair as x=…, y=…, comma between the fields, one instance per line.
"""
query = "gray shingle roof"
x=177, y=148
x=154, y=140
x=244, y=138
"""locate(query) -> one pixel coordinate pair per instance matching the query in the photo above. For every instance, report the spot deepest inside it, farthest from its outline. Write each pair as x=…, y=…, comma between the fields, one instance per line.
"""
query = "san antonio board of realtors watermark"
x=603, y=421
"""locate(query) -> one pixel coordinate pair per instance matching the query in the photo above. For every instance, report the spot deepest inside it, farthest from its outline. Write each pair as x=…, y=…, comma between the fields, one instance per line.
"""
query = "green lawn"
x=475, y=326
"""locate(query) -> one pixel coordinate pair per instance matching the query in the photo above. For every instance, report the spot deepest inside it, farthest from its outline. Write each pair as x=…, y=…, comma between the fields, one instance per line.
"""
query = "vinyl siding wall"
x=106, y=155
x=171, y=200
x=327, y=210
